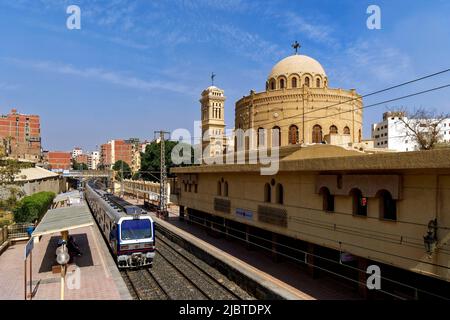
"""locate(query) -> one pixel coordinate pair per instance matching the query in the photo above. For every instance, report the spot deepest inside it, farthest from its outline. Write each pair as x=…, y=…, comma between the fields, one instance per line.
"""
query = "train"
x=129, y=231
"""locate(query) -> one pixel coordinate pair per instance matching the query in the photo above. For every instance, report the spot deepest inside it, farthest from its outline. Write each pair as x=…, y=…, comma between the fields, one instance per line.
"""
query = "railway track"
x=178, y=275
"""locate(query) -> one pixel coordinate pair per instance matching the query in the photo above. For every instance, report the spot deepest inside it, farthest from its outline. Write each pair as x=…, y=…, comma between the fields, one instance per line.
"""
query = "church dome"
x=298, y=64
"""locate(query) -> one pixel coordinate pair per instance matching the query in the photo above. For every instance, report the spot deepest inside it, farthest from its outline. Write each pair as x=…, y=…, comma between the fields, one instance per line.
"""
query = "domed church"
x=300, y=105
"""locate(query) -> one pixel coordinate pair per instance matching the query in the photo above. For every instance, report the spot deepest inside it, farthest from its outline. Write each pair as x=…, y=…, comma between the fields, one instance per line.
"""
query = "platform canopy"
x=64, y=219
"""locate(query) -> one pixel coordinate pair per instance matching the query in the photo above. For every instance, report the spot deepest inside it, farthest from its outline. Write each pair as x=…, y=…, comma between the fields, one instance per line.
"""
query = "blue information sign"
x=29, y=247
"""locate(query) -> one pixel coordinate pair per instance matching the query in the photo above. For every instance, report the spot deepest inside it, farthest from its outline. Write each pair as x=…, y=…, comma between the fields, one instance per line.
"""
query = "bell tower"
x=213, y=119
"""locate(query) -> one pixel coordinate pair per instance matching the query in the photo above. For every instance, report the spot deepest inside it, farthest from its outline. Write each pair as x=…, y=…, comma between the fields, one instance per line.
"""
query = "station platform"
x=284, y=277
x=93, y=276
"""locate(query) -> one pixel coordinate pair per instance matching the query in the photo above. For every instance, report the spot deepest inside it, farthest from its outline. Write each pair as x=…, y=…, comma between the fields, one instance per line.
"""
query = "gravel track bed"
x=214, y=284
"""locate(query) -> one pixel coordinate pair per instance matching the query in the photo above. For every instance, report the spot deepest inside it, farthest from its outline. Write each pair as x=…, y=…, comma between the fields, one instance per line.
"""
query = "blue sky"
x=139, y=66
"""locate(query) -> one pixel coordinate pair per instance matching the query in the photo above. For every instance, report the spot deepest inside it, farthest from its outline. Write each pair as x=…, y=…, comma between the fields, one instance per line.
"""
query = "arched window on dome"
x=333, y=129
x=293, y=134
x=272, y=84
x=307, y=81
x=294, y=82
x=281, y=83
x=276, y=136
x=317, y=134
x=346, y=130
x=318, y=82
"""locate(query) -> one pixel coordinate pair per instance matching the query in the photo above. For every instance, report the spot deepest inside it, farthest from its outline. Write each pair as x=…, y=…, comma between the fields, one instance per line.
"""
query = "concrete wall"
x=423, y=195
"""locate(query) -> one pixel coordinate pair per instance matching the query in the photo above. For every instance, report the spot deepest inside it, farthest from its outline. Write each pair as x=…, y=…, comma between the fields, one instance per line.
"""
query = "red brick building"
x=82, y=158
x=115, y=150
x=21, y=135
x=59, y=160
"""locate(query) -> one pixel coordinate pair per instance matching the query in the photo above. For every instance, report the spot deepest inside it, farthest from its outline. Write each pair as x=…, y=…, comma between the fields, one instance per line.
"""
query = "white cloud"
x=8, y=86
x=103, y=75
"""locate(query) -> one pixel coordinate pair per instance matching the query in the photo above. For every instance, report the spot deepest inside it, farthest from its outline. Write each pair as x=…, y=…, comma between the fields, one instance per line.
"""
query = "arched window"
x=318, y=83
x=219, y=188
x=346, y=130
x=388, y=206
x=359, y=203
x=225, y=189
x=317, y=134
x=293, y=134
x=279, y=194
x=307, y=81
x=333, y=129
x=281, y=83
x=272, y=84
x=294, y=82
x=276, y=136
x=261, y=139
x=328, y=200
x=267, y=193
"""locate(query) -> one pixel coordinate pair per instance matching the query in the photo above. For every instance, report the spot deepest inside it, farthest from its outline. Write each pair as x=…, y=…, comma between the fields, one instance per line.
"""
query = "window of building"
x=317, y=134
x=276, y=136
x=293, y=134
x=333, y=129
x=190, y=188
x=318, y=83
x=294, y=82
x=279, y=194
x=267, y=193
x=388, y=206
x=359, y=203
x=225, y=189
x=328, y=200
x=281, y=83
x=346, y=130
x=219, y=188
x=185, y=187
x=272, y=85
x=261, y=139
x=307, y=81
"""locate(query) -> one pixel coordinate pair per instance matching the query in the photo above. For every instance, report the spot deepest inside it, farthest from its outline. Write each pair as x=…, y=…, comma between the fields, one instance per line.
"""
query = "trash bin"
x=30, y=230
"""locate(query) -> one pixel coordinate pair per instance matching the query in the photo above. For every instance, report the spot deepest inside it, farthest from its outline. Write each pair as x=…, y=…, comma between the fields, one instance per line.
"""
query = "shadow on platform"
x=50, y=254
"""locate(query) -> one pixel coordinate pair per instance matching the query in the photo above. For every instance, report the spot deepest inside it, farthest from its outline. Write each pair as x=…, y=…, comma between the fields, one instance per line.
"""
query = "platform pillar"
x=312, y=261
x=363, y=291
x=181, y=216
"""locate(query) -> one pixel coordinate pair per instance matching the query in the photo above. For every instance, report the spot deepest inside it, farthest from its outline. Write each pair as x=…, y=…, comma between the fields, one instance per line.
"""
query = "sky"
x=139, y=66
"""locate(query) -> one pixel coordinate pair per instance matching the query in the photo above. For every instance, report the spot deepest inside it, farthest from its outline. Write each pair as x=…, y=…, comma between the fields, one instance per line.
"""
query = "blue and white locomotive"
x=130, y=233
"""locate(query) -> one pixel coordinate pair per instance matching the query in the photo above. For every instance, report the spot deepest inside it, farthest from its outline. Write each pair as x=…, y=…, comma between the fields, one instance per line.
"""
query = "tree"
x=424, y=127
x=79, y=166
x=151, y=160
x=9, y=172
x=122, y=170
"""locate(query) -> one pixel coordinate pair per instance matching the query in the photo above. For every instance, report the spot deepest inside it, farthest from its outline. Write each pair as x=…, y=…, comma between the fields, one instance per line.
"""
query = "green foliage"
x=79, y=166
x=151, y=159
x=9, y=169
x=33, y=207
x=121, y=167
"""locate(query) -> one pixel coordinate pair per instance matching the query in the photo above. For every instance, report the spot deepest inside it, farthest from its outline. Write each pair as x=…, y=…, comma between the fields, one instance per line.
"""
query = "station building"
x=336, y=209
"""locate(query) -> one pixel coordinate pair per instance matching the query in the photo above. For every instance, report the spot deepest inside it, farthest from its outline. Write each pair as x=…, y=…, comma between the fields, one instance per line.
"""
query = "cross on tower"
x=213, y=75
x=296, y=46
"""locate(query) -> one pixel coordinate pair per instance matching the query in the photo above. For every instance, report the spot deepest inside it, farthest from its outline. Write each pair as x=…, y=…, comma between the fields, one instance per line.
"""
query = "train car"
x=130, y=233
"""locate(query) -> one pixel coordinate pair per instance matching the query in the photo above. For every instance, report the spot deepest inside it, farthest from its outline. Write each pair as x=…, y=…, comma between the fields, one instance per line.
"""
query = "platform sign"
x=244, y=214
x=29, y=247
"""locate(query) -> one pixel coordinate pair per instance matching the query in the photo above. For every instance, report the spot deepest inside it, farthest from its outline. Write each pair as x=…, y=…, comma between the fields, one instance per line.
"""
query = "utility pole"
x=121, y=180
x=163, y=176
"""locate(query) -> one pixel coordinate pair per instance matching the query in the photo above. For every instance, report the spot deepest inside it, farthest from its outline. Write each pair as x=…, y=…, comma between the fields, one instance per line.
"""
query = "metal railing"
x=19, y=231
x=3, y=235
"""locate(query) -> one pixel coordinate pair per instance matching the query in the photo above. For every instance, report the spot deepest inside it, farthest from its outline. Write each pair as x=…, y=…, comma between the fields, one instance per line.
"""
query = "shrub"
x=33, y=207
